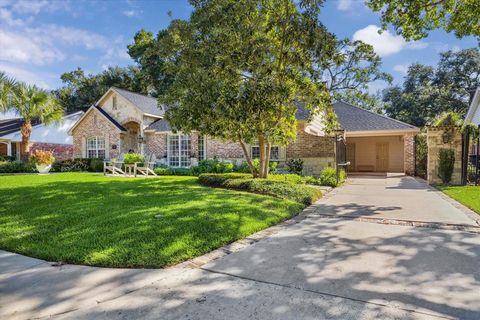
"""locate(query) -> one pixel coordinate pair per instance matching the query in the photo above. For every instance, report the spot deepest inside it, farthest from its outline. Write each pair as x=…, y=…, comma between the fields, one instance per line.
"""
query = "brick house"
x=122, y=121
x=53, y=137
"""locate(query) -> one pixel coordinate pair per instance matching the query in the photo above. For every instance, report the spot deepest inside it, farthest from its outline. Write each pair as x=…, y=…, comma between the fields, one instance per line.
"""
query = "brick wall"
x=224, y=150
x=156, y=143
x=60, y=151
x=95, y=124
x=3, y=149
x=310, y=146
x=409, y=154
x=434, y=144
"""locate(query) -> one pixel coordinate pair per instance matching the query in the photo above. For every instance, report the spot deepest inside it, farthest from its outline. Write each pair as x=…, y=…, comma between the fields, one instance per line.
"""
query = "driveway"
x=337, y=262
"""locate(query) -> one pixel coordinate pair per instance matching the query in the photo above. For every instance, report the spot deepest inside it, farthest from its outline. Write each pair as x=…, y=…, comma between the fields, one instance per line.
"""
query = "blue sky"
x=40, y=40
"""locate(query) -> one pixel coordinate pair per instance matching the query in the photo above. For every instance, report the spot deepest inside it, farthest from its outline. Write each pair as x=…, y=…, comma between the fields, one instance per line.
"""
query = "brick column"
x=409, y=154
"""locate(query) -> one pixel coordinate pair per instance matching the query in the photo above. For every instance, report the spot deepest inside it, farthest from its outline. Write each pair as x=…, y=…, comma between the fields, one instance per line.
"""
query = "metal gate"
x=340, y=155
x=471, y=157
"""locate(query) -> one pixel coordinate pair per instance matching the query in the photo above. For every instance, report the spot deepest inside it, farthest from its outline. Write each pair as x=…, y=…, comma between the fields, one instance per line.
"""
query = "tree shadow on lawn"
x=110, y=222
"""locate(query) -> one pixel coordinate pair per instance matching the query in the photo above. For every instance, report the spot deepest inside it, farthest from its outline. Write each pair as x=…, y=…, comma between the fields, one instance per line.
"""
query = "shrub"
x=131, y=158
x=15, y=167
x=446, y=163
x=294, y=166
x=282, y=189
x=42, y=157
x=243, y=167
x=163, y=171
x=328, y=177
x=213, y=166
x=292, y=178
x=169, y=171
x=78, y=164
x=95, y=165
x=312, y=180
x=421, y=152
x=6, y=158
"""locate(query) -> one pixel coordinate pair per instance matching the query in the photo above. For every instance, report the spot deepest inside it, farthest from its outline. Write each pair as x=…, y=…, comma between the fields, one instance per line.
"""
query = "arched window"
x=96, y=147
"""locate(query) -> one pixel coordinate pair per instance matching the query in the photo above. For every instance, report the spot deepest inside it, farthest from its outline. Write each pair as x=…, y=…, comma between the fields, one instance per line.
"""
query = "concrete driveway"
x=336, y=262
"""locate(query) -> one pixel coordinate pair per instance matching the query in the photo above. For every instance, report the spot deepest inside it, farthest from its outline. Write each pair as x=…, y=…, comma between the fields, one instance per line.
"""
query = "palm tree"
x=30, y=102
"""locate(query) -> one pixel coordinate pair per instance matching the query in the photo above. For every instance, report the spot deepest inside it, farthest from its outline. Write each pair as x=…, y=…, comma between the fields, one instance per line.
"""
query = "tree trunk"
x=263, y=155
x=26, y=131
x=267, y=160
x=249, y=160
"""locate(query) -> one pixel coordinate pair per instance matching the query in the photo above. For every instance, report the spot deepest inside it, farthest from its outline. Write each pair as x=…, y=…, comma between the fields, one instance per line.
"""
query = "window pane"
x=255, y=152
x=201, y=148
x=274, y=153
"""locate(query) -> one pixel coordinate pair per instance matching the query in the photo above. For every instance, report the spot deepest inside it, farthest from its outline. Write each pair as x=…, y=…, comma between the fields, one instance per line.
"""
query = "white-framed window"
x=202, y=148
x=274, y=153
x=114, y=103
x=96, y=147
x=179, y=147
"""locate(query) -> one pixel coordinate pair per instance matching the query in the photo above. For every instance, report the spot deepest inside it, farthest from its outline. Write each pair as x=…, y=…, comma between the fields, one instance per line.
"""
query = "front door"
x=382, y=156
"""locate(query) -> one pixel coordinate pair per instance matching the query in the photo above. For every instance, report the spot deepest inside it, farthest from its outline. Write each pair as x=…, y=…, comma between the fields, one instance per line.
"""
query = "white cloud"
x=37, y=6
x=401, y=68
x=385, y=43
x=132, y=13
x=7, y=17
x=25, y=76
x=22, y=48
x=344, y=5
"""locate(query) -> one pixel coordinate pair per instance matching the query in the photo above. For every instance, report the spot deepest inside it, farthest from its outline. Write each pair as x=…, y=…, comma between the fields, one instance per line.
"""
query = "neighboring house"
x=123, y=121
x=473, y=114
x=53, y=137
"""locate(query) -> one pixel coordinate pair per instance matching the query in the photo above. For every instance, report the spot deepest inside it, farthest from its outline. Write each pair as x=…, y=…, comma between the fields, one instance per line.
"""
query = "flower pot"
x=43, y=168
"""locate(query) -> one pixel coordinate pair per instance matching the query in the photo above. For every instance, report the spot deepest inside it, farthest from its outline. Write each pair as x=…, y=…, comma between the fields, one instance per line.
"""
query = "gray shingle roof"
x=145, y=103
x=160, y=126
x=353, y=118
x=8, y=126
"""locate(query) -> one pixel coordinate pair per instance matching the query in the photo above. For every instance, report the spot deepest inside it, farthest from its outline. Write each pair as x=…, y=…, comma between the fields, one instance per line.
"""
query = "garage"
x=376, y=143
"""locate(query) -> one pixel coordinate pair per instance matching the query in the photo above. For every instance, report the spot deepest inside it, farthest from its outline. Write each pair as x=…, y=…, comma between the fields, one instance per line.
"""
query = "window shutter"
x=84, y=147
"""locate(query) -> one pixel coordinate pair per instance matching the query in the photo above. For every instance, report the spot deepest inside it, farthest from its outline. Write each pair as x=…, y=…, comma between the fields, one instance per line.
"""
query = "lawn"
x=86, y=218
x=467, y=195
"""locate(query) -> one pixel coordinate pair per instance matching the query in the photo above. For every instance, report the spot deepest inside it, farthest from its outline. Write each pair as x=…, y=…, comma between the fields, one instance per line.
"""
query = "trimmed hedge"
x=282, y=189
x=16, y=167
x=78, y=164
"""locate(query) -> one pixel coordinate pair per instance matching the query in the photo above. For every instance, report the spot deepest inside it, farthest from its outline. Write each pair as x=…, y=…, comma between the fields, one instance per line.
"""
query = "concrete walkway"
x=323, y=267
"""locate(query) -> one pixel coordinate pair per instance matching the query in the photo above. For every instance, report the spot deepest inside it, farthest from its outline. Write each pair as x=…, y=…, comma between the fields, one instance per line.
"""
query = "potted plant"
x=43, y=160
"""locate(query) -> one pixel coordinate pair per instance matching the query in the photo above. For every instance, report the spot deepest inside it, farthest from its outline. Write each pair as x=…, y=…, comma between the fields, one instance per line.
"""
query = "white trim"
x=375, y=133
x=152, y=115
x=473, y=107
x=70, y=131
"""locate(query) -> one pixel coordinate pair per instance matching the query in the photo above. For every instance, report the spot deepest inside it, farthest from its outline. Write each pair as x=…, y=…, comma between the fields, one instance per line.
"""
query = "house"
x=53, y=137
x=122, y=121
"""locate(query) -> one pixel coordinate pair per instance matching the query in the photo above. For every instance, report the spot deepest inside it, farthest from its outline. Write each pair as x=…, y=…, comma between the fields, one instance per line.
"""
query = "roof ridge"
x=132, y=92
x=377, y=114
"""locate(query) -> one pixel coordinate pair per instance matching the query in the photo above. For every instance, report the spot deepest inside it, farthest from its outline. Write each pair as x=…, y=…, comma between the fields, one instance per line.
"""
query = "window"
x=13, y=151
x=114, y=103
x=96, y=147
x=179, y=147
x=201, y=148
x=274, y=152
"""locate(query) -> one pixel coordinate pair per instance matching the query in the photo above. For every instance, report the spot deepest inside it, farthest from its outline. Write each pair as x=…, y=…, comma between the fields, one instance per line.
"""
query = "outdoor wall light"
x=140, y=139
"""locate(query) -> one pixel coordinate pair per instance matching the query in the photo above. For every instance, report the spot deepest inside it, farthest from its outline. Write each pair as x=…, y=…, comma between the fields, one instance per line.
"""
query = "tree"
x=429, y=91
x=81, y=91
x=413, y=19
x=30, y=103
x=146, y=51
x=349, y=71
x=238, y=67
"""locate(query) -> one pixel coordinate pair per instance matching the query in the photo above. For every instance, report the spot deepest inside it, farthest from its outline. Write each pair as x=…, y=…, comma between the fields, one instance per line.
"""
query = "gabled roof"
x=8, y=126
x=103, y=113
x=161, y=125
x=145, y=103
x=352, y=118
x=473, y=107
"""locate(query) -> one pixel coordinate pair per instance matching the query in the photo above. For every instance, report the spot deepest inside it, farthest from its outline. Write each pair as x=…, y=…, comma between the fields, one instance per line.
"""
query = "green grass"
x=86, y=218
x=467, y=195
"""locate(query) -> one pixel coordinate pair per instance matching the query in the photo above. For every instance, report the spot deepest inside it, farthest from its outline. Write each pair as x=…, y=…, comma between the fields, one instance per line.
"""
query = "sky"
x=41, y=39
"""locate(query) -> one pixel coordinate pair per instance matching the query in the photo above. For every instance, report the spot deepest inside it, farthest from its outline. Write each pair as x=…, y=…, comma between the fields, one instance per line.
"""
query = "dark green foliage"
x=328, y=177
x=421, y=151
x=243, y=167
x=282, y=189
x=295, y=166
x=169, y=171
x=6, y=158
x=163, y=171
x=78, y=165
x=15, y=167
x=446, y=163
x=213, y=166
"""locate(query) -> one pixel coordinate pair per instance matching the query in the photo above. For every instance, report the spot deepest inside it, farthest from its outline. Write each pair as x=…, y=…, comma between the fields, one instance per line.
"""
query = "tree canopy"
x=413, y=19
x=429, y=91
x=81, y=91
x=238, y=69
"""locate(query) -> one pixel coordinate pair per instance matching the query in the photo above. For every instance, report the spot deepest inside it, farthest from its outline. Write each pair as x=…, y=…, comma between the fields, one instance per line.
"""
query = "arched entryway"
x=130, y=139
